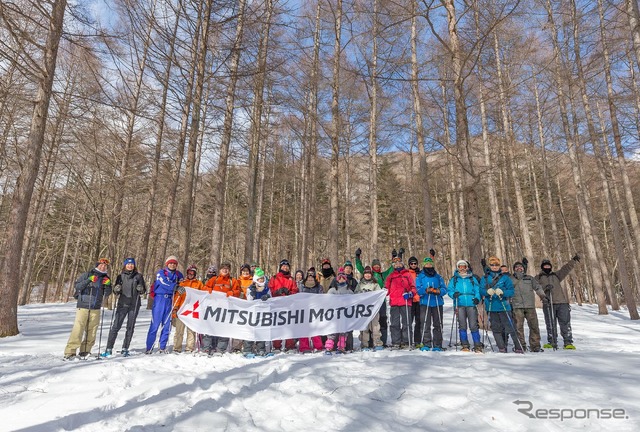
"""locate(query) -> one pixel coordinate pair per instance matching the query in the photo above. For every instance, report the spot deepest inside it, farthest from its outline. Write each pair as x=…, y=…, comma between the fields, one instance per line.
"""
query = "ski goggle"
x=104, y=261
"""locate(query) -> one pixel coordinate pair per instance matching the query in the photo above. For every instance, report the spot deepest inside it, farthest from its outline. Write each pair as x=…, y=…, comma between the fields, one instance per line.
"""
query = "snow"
x=372, y=391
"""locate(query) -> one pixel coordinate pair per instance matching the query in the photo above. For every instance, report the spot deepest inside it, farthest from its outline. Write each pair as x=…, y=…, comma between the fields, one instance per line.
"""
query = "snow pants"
x=501, y=321
x=177, y=338
x=562, y=316
x=83, y=333
x=305, y=346
x=431, y=316
x=400, y=334
x=160, y=317
x=371, y=337
x=530, y=315
x=130, y=312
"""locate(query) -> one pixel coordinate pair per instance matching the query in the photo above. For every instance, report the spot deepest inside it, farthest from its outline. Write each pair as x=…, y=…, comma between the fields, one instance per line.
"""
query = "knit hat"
x=545, y=262
x=462, y=263
x=129, y=261
x=427, y=260
x=413, y=260
x=246, y=267
x=226, y=265
x=348, y=264
x=192, y=268
x=325, y=261
x=257, y=274
x=212, y=269
x=376, y=262
x=341, y=273
x=367, y=269
x=494, y=260
x=171, y=259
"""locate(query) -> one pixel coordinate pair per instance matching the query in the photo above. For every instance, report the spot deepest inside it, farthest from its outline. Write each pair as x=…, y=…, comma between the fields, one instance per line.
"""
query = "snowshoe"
x=249, y=355
x=379, y=348
x=84, y=355
x=420, y=346
x=163, y=351
x=328, y=352
x=125, y=353
x=569, y=347
x=425, y=348
x=149, y=351
x=547, y=345
x=478, y=349
x=537, y=350
x=69, y=357
x=502, y=350
x=437, y=348
x=106, y=353
x=466, y=348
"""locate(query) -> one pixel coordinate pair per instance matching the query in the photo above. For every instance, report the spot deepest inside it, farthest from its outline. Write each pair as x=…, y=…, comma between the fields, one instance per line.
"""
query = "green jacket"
x=380, y=277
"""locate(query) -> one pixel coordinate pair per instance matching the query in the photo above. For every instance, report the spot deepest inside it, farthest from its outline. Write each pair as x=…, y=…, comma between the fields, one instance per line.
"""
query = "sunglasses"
x=494, y=265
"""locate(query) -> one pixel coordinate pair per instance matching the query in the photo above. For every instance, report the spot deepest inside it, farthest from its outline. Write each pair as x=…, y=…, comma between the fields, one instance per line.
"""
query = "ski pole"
x=426, y=313
x=440, y=319
x=487, y=320
x=454, y=316
x=554, y=330
x=513, y=329
x=406, y=309
x=101, y=322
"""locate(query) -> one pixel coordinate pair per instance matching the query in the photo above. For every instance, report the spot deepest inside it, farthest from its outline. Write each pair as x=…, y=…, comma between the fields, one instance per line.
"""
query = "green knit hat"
x=258, y=272
x=348, y=264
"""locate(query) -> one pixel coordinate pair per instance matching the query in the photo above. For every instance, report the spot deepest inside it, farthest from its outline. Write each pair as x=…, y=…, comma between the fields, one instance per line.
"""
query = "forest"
x=242, y=131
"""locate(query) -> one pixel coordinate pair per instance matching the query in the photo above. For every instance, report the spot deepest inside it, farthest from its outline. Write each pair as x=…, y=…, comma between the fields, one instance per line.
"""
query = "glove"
x=407, y=296
x=548, y=288
x=174, y=314
x=282, y=291
x=106, y=281
x=576, y=258
x=499, y=292
x=117, y=289
x=394, y=253
x=491, y=292
x=456, y=295
x=93, y=278
x=140, y=288
x=264, y=298
x=483, y=262
x=432, y=252
x=476, y=301
x=433, y=291
x=401, y=252
x=545, y=301
x=180, y=290
x=525, y=261
x=358, y=252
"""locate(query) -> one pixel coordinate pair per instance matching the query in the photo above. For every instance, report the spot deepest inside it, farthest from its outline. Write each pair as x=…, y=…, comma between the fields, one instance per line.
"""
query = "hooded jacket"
x=524, y=289
x=398, y=283
x=424, y=282
x=279, y=281
x=555, y=278
x=90, y=288
x=129, y=281
x=467, y=285
x=495, y=280
x=225, y=284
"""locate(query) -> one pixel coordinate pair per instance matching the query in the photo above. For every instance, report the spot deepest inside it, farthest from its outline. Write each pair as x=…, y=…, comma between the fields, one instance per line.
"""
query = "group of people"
x=413, y=314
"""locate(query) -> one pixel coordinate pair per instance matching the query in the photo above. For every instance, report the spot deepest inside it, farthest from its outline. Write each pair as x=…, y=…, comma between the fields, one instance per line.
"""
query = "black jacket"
x=90, y=293
x=129, y=281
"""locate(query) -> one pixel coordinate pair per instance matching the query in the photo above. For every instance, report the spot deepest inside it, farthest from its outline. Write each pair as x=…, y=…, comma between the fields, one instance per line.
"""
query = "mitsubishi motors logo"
x=196, y=314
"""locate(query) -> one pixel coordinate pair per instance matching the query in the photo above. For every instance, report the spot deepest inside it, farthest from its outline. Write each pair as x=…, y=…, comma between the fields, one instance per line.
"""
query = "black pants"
x=500, y=324
x=431, y=316
x=383, y=324
x=562, y=316
x=417, y=322
x=129, y=311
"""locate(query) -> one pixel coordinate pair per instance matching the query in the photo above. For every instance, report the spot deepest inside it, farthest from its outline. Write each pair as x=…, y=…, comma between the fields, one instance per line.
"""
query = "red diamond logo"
x=193, y=312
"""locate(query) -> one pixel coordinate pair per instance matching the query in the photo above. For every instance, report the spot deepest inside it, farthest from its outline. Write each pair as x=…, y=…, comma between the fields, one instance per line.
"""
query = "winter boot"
x=425, y=348
x=547, y=345
x=478, y=347
x=569, y=347
x=342, y=343
x=125, y=353
x=106, y=353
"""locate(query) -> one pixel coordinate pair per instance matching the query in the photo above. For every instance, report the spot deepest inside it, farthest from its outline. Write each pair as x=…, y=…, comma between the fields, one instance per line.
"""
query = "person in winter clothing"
x=431, y=289
x=283, y=285
x=312, y=286
x=401, y=291
x=258, y=290
x=327, y=275
x=128, y=288
x=556, y=308
x=380, y=277
x=496, y=288
x=299, y=279
x=224, y=283
x=90, y=290
x=414, y=317
x=523, y=303
x=338, y=340
x=190, y=282
x=167, y=280
x=352, y=283
x=245, y=280
x=464, y=289
x=212, y=271
x=370, y=337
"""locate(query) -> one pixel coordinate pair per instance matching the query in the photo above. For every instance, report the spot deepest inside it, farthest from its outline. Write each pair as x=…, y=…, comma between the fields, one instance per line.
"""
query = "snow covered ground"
x=373, y=391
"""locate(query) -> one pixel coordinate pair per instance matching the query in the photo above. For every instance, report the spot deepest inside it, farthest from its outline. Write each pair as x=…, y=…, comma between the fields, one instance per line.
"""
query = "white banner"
x=295, y=316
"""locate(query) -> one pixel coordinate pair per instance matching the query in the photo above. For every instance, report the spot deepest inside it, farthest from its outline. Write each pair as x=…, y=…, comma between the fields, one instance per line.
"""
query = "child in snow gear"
x=257, y=291
x=338, y=340
x=523, y=302
x=401, y=291
x=497, y=289
x=380, y=277
x=327, y=275
x=224, y=283
x=283, y=285
x=310, y=285
x=128, y=288
x=167, y=280
x=370, y=337
x=414, y=315
x=90, y=290
x=464, y=289
x=431, y=288
x=190, y=282
x=556, y=308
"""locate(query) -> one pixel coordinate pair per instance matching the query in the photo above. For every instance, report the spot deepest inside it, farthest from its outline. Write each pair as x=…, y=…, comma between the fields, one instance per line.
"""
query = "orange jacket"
x=245, y=282
x=225, y=284
x=180, y=295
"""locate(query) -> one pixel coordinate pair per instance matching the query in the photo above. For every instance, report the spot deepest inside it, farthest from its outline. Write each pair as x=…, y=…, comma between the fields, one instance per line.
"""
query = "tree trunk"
x=9, y=277
x=220, y=189
x=634, y=25
x=373, y=137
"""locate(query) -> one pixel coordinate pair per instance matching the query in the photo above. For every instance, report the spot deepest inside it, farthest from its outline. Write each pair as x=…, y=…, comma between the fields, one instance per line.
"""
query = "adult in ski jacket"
x=327, y=275
x=464, y=289
x=282, y=284
x=497, y=289
x=191, y=281
x=431, y=288
x=523, y=302
x=224, y=283
x=129, y=286
x=401, y=291
x=556, y=308
x=90, y=289
x=167, y=280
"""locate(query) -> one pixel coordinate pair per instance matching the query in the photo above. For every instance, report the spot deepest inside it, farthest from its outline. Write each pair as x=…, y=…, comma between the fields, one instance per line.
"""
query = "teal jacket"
x=468, y=286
